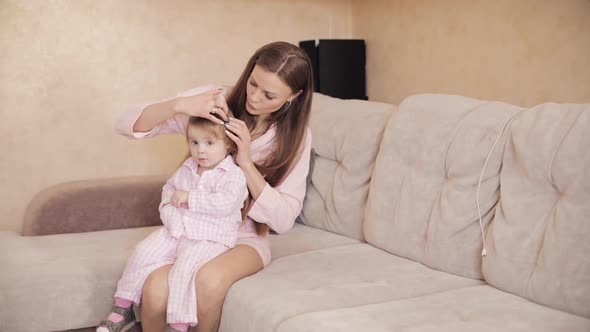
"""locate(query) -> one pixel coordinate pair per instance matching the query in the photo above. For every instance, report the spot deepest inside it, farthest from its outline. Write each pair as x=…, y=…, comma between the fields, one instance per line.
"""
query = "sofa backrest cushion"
x=346, y=136
x=422, y=201
x=539, y=240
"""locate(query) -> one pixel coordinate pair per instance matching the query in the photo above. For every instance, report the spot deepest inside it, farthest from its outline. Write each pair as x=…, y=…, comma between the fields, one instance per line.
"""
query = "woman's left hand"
x=238, y=132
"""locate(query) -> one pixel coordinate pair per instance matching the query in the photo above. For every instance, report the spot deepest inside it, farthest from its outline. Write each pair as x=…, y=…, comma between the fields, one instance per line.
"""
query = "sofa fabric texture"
x=75, y=207
x=481, y=309
x=391, y=241
x=539, y=242
x=64, y=281
x=422, y=202
x=346, y=141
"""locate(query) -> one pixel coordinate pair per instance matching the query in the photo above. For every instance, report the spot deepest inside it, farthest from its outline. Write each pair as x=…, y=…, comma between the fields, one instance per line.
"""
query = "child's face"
x=206, y=150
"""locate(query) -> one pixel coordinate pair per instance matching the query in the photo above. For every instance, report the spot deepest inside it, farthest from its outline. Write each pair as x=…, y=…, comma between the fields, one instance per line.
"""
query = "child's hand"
x=179, y=198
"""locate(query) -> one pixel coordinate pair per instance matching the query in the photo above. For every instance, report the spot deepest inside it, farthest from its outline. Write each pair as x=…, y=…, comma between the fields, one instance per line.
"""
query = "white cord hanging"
x=483, y=235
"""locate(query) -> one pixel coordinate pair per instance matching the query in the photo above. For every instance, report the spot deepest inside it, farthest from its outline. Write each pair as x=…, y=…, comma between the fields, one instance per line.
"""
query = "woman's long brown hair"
x=293, y=67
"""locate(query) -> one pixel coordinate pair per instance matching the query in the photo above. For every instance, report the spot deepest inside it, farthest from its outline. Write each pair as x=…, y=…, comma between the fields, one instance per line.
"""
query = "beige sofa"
x=392, y=240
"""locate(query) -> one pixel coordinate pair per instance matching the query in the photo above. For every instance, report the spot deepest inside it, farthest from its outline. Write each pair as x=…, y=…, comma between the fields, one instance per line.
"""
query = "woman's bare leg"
x=154, y=300
x=214, y=280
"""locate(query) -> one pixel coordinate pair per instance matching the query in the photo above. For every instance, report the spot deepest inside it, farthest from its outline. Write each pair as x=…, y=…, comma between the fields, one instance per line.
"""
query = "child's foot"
x=120, y=320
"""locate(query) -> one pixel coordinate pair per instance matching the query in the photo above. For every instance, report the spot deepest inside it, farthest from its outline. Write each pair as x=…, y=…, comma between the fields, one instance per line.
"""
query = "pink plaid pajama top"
x=214, y=202
x=276, y=206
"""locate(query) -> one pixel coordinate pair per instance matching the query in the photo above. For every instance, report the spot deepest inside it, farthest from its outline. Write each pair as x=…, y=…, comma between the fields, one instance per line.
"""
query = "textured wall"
x=524, y=52
x=67, y=68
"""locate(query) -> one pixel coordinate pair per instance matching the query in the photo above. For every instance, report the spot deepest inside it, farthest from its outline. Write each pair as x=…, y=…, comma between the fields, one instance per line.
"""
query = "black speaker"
x=338, y=67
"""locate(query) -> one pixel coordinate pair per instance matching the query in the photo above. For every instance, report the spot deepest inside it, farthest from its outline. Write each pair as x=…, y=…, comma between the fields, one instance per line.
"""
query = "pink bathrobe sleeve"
x=277, y=207
x=174, y=125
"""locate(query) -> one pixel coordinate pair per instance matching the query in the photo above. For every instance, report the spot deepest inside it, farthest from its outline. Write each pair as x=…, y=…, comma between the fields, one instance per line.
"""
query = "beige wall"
x=520, y=51
x=67, y=68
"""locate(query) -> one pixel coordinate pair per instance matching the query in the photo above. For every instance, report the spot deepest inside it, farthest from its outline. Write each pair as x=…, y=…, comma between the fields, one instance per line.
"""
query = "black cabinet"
x=338, y=67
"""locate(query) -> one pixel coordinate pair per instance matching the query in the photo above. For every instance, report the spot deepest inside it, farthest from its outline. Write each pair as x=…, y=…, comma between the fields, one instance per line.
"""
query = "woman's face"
x=266, y=92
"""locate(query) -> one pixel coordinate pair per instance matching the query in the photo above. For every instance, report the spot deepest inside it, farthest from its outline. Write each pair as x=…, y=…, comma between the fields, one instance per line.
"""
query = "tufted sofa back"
x=422, y=202
x=405, y=181
x=534, y=196
x=539, y=240
x=346, y=137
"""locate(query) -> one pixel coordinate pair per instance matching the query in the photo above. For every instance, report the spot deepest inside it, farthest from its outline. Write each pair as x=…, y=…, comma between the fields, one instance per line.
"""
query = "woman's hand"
x=179, y=198
x=238, y=132
x=204, y=105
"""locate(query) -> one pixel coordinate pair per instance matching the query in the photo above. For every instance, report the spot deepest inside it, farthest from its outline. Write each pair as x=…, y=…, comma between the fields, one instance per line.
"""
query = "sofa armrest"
x=94, y=205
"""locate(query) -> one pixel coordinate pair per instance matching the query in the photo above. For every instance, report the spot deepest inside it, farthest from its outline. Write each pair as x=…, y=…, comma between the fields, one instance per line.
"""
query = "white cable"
x=483, y=235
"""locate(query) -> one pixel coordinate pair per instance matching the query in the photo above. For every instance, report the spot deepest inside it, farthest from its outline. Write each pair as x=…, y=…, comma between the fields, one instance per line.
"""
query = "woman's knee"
x=155, y=291
x=211, y=286
x=214, y=279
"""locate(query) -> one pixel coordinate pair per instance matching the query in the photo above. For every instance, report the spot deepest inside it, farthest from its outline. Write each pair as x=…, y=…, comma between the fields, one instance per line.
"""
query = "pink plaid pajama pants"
x=186, y=255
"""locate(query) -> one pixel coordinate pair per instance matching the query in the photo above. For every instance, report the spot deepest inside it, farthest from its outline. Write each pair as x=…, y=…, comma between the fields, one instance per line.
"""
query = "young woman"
x=271, y=102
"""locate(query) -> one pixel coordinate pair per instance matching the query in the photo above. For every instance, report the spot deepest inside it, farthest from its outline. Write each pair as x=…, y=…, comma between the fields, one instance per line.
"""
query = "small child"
x=201, y=212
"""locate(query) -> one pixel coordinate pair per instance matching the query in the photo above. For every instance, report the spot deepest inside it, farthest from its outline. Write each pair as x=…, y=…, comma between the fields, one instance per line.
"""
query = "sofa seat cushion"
x=66, y=281
x=303, y=238
x=480, y=308
x=326, y=279
x=59, y=282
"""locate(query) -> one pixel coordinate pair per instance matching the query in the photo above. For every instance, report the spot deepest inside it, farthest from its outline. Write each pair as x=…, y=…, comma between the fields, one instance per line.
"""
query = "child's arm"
x=170, y=215
x=229, y=198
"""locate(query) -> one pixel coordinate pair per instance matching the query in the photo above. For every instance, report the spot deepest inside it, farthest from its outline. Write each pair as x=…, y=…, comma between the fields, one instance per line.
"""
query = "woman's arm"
x=255, y=180
x=170, y=116
x=154, y=114
x=279, y=206
x=237, y=130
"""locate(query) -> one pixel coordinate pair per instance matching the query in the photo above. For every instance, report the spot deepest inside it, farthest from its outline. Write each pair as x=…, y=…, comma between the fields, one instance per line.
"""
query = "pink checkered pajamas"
x=191, y=236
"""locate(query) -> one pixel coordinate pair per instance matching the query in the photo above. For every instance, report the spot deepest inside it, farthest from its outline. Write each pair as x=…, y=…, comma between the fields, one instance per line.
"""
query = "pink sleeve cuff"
x=125, y=122
x=258, y=212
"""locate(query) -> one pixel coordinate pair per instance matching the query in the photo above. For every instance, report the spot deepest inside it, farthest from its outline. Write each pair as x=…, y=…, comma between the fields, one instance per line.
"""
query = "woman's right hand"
x=204, y=105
